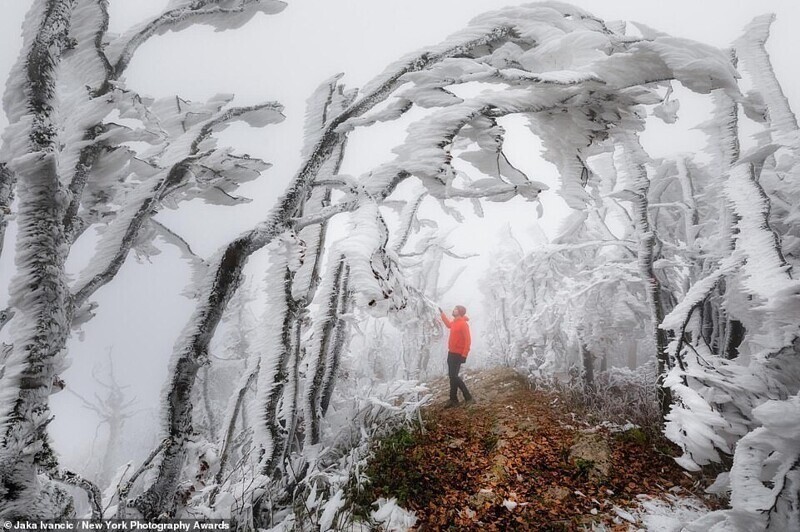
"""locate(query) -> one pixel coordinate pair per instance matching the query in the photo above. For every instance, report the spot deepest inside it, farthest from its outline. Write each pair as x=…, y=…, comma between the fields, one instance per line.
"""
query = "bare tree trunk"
x=293, y=390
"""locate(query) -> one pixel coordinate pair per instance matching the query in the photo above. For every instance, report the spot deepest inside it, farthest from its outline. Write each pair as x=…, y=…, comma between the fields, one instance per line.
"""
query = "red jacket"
x=459, y=335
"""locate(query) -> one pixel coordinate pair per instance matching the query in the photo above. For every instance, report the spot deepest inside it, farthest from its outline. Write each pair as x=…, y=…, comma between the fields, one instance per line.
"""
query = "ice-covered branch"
x=124, y=490
x=697, y=293
x=218, y=13
x=179, y=242
x=121, y=236
x=257, y=115
x=751, y=49
x=92, y=491
x=337, y=344
x=87, y=158
x=766, y=275
x=324, y=214
x=278, y=321
x=113, y=256
x=407, y=221
x=100, y=32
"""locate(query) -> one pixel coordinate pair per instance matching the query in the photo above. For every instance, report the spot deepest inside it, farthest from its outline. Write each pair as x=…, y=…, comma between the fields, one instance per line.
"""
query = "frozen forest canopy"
x=683, y=270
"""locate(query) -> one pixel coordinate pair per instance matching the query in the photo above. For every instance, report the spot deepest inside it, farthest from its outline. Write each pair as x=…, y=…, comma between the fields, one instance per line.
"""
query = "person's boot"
x=469, y=400
x=452, y=403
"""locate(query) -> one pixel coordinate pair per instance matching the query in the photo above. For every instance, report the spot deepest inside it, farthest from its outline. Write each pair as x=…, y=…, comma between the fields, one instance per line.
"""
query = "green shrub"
x=583, y=467
x=392, y=472
x=634, y=435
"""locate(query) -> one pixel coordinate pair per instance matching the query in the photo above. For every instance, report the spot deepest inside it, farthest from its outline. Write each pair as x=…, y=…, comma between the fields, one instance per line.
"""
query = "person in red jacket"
x=457, y=350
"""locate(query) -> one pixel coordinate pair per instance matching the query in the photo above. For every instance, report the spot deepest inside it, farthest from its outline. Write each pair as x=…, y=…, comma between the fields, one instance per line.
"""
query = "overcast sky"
x=284, y=57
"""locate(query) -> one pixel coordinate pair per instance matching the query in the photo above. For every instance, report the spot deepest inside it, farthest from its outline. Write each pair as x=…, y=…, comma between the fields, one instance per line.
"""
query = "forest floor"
x=519, y=459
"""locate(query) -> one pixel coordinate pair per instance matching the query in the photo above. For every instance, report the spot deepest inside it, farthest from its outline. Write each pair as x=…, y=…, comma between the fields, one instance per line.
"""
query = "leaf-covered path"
x=518, y=460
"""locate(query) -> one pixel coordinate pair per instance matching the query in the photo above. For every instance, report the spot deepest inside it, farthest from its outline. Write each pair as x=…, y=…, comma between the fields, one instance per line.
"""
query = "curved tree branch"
x=197, y=9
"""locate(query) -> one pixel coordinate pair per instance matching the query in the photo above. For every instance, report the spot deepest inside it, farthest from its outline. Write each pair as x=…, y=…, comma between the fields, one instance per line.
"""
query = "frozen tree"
x=65, y=156
x=112, y=409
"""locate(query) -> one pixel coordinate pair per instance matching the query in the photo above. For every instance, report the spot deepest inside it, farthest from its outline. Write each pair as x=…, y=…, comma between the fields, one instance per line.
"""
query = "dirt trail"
x=517, y=460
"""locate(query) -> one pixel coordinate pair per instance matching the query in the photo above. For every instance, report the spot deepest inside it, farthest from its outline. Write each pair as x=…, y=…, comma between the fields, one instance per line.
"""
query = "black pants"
x=454, y=361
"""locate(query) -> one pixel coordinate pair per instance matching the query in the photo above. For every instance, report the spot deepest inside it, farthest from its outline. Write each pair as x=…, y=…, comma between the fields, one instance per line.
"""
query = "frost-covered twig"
x=324, y=215
x=178, y=240
x=122, y=493
x=237, y=401
x=92, y=492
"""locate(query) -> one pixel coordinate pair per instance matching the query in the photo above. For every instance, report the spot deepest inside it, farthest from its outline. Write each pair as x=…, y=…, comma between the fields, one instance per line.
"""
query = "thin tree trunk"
x=115, y=425
x=291, y=399
x=230, y=427
x=7, y=182
x=272, y=378
x=317, y=366
x=588, y=370
x=634, y=157
x=339, y=342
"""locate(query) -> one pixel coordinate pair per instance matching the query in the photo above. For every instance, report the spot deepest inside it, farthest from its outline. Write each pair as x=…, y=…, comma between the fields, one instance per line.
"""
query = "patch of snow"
x=391, y=516
x=624, y=514
x=671, y=514
x=510, y=505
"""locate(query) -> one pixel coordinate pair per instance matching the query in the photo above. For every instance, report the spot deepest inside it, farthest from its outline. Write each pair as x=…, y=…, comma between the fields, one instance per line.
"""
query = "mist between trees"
x=681, y=269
